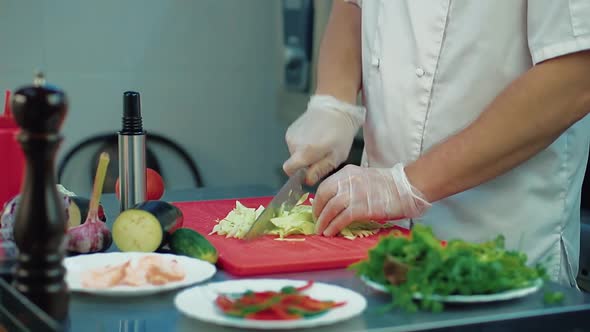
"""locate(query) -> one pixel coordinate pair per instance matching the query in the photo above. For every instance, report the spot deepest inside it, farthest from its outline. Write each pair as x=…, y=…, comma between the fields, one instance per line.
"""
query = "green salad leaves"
x=420, y=263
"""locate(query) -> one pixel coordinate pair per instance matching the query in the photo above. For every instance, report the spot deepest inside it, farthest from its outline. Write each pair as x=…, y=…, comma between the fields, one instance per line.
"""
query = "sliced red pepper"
x=283, y=314
x=262, y=315
x=247, y=309
x=224, y=303
x=305, y=313
x=288, y=304
x=338, y=304
x=265, y=294
x=261, y=295
x=306, y=286
x=273, y=313
x=289, y=299
x=256, y=298
x=311, y=304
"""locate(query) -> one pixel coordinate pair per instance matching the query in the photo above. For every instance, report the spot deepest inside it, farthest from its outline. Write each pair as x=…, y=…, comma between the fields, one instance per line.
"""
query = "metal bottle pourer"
x=132, y=164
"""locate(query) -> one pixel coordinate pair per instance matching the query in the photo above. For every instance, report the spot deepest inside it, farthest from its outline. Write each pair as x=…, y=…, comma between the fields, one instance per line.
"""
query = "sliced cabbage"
x=362, y=229
x=238, y=221
x=293, y=224
x=297, y=221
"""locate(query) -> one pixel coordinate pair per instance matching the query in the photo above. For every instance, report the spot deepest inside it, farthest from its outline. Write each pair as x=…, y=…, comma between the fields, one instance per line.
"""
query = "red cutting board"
x=266, y=255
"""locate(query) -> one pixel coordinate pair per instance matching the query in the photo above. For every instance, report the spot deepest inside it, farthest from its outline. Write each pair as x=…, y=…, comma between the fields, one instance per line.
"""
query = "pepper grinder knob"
x=39, y=108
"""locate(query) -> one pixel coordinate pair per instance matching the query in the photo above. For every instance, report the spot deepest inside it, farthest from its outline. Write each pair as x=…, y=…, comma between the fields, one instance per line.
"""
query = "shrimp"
x=105, y=277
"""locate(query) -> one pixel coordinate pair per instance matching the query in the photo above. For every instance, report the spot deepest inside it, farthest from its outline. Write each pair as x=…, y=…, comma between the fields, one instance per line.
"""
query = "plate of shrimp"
x=134, y=273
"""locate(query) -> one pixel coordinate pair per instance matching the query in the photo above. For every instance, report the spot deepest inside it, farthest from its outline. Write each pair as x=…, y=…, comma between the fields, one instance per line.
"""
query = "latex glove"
x=322, y=136
x=357, y=193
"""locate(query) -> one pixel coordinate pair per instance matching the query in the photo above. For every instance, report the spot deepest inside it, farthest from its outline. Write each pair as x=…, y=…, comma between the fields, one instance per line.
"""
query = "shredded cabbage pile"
x=298, y=221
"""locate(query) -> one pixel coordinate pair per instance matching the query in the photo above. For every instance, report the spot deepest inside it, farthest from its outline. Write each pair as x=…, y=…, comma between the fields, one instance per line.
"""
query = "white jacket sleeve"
x=557, y=27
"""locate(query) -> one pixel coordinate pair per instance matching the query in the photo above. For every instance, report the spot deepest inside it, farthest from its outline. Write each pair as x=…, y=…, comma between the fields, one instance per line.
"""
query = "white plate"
x=198, y=302
x=196, y=271
x=507, y=295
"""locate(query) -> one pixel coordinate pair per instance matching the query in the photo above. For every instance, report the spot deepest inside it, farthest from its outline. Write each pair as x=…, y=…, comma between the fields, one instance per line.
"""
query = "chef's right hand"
x=322, y=136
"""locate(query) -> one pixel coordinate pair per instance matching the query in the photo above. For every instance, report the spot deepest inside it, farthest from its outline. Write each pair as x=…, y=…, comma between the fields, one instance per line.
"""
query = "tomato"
x=154, y=184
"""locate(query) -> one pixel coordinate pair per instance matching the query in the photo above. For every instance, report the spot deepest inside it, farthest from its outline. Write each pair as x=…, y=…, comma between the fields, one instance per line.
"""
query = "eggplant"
x=147, y=226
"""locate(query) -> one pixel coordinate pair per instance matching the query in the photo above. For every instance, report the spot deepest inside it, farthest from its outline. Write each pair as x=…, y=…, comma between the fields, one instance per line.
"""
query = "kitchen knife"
x=287, y=197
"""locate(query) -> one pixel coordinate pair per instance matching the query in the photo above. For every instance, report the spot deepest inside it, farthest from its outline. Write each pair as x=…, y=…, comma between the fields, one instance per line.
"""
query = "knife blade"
x=286, y=197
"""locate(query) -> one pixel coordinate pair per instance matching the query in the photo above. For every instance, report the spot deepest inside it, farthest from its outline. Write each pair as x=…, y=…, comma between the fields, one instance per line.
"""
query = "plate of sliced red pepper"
x=270, y=303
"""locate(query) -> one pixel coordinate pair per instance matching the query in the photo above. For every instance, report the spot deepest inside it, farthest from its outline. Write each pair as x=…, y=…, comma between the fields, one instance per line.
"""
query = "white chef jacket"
x=430, y=67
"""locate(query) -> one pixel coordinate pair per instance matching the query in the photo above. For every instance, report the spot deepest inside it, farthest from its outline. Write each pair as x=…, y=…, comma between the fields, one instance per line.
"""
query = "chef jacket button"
x=419, y=72
x=375, y=61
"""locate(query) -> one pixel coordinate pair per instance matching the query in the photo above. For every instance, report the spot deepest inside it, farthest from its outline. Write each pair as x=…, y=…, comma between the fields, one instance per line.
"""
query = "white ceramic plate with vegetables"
x=421, y=262
x=134, y=273
x=201, y=302
x=501, y=296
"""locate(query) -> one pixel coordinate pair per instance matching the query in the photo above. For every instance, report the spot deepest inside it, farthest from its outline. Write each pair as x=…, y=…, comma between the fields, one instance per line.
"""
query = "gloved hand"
x=322, y=136
x=357, y=193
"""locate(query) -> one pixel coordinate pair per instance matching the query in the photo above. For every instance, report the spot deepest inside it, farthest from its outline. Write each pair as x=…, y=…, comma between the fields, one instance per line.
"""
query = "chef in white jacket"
x=472, y=115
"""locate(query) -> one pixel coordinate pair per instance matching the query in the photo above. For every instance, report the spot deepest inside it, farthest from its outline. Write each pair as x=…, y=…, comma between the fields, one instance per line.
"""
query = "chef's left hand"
x=357, y=193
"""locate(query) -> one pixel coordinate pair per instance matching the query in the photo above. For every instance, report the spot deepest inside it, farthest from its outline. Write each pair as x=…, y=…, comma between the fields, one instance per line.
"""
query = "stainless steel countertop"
x=157, y=312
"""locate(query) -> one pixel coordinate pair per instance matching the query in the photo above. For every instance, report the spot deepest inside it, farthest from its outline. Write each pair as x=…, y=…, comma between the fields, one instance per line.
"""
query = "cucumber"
x=187, y=242
x=147, y=226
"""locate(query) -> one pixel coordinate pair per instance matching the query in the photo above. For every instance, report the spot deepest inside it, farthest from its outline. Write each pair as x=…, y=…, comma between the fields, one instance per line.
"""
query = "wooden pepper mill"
x=40, y=221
